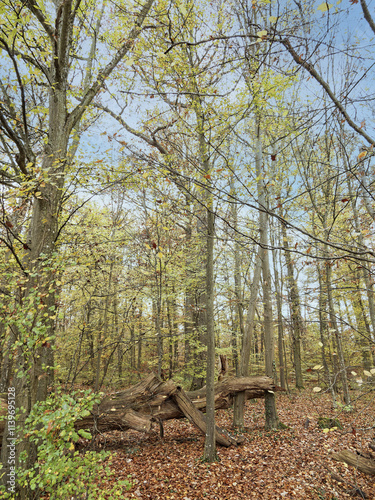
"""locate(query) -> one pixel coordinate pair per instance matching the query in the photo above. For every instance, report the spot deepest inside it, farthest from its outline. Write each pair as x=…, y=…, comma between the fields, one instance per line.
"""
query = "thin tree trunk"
x=140, y=335
x=280, y=326
x=7, y=359
x=100, y=343
x=158, y=319
x=333, y=321
x=365, y=271
x=188, y=295
x=238, y=324
x=296, y=318
x=198, y=351
x=172, y=337
x=323, y=326
x=239, y=400
x=272, y=421
x=210, y=442
x=132, y=336
x=363, y=333
x=117, y=332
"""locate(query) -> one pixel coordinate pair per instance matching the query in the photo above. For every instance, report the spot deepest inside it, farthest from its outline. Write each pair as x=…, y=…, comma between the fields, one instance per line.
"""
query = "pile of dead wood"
x=152, y=400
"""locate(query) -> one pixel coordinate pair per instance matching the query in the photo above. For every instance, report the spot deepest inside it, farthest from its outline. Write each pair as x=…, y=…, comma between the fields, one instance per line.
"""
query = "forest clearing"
x=187, y=249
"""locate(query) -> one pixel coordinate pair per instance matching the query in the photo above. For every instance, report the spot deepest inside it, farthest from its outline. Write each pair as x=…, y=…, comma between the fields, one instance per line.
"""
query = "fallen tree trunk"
x=365, y=465
x=152, y=400
x=197, y=418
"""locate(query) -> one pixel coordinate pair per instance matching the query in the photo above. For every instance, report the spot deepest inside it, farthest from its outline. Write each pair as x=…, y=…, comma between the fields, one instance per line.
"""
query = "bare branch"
x=211, y=39
x=11, y=249
x=77, y=113
x=367, y=15
x=151, y=142
x=35, y=9
x=18, y=142
x=310, y=68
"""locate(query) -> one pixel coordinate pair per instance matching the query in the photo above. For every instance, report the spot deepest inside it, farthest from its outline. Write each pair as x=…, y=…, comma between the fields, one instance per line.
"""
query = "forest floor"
x=292, y=463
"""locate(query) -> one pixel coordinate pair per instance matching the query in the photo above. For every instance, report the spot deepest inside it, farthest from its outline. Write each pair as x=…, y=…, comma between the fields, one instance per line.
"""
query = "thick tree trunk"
x=35, y=367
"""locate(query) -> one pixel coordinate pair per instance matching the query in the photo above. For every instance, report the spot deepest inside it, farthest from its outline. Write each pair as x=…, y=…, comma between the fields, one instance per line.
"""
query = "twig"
x=355, y=489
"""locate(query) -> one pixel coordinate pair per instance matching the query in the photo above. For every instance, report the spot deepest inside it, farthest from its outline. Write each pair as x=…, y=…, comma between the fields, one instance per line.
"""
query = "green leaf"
x=84, y=434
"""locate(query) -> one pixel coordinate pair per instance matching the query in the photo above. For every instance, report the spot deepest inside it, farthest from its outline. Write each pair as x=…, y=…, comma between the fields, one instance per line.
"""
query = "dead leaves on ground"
x=288, y=464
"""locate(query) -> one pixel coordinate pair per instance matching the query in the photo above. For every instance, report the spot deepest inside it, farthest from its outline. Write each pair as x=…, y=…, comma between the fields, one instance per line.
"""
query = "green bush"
x=60, y=471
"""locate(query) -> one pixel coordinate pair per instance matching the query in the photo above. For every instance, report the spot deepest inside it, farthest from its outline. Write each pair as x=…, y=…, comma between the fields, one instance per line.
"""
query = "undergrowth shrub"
x=60, y=471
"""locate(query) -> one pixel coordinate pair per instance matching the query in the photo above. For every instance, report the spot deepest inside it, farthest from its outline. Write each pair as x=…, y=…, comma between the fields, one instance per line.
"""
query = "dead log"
x=152, y=400
x=365, y=465
x=197, y=418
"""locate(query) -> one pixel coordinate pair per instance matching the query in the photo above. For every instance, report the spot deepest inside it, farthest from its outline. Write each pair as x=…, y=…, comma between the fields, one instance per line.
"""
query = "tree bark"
x=210, y=448
x=272, y=421
x=365, y=465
